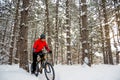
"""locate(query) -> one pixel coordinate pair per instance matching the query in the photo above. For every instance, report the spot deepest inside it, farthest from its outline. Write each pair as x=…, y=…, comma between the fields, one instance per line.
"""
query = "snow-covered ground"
x=64, y=72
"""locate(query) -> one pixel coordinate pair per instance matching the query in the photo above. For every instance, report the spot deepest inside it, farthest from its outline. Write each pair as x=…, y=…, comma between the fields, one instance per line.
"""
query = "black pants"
x=35, y=60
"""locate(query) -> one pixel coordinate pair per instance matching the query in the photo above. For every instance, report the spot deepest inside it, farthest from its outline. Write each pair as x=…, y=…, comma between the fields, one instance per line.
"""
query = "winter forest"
x=77, y=31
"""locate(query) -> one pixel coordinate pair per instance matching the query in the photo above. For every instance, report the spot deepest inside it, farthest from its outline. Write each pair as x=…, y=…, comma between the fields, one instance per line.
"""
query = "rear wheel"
x=37, y=70
x=49, y=71
x=31, y=68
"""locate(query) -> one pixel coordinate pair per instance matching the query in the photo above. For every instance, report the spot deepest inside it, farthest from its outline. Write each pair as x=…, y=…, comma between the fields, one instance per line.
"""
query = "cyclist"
x=38, y=46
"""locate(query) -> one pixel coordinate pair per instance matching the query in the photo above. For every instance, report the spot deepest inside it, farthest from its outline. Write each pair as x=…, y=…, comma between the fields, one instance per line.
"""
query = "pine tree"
x=56, y=33
x=23, y=35
x=67, y=25
x=14, y=33
x=84, y=33
x=48, y=28
x=108, y=52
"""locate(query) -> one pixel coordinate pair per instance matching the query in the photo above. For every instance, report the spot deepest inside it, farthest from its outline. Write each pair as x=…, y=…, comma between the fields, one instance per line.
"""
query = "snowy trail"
x=74, y=72
x=78, y=72
x=8, y=72
x=97, y=72
x=14, y=73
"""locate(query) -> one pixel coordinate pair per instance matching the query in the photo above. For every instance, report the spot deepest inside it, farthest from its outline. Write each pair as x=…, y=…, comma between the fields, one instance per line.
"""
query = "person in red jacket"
x=38, y=46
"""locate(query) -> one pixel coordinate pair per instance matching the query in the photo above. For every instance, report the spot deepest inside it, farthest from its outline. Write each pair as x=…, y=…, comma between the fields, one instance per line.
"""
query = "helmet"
x=42, y=36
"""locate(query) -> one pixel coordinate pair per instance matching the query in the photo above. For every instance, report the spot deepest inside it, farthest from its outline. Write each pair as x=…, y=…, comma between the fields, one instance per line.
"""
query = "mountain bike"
x=43, y=64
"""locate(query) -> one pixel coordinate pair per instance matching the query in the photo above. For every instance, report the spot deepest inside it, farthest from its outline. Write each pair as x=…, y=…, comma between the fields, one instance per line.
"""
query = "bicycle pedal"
x=36, y=75
x=41, y=71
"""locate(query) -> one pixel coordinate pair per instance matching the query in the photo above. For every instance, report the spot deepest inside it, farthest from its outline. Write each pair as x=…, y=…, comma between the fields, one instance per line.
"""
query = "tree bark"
x=23, y=36
x=102, y=34
x=68, y=33
x=79, y=31
x=56, y=34
x=85, y=44
x=48, y=30
x=14, y=32
x=107, y=35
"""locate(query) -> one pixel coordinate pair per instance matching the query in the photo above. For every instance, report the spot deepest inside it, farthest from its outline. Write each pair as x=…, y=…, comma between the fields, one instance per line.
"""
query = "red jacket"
x=39, y=45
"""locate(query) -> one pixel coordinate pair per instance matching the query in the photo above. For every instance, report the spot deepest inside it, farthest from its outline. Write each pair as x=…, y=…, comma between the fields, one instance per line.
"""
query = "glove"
x=50, y=52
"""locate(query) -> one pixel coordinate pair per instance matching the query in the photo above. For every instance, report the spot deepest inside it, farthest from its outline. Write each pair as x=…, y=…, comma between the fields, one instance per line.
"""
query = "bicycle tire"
x=37, y=70
x=31, y=68
x=49, y=70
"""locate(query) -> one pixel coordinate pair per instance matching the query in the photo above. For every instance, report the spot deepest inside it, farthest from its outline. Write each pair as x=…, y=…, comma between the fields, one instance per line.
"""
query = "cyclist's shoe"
x=32, y=72
x=40, y=70
x=36, y=74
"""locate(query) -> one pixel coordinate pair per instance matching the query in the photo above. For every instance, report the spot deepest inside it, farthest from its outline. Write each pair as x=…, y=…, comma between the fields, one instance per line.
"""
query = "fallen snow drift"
x=64, y=72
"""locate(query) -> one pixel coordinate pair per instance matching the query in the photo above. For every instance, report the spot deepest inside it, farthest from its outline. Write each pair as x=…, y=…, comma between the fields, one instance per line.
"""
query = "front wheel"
x=49, y=71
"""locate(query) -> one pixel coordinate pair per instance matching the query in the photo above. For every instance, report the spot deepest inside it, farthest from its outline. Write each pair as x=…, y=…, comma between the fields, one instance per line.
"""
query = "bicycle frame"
x=48, y=68
x=41, y=60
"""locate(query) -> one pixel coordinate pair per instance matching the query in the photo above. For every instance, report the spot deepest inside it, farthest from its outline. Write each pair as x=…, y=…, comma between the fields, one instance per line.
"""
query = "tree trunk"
x=14, y=33
x=117, y=57
x=48, y=28
x=3, y=40
x=56, y=34
x=79, y=31
x=115, y=45
x=107, y=36
x=61, y=42
x=85, y=44
x=68, y=33
x=102, y=35
x=23, y=36
x=117, y=16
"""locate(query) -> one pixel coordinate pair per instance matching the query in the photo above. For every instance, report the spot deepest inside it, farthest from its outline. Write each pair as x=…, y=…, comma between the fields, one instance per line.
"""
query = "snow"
x=27, y=8
x=98, y=54
x=86, y=51
x=118, y=47
x=8, y=72
x=83, y=13
x=86, y=60
x=64, y=72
